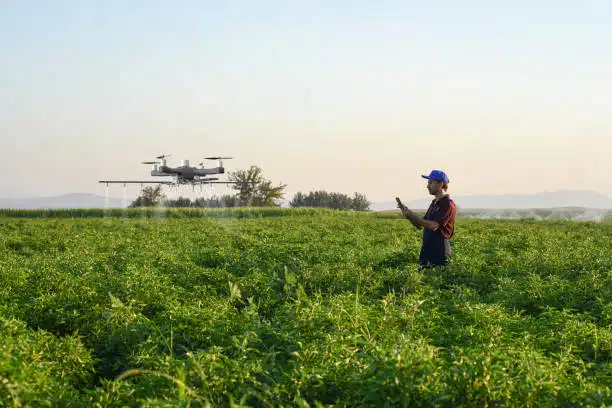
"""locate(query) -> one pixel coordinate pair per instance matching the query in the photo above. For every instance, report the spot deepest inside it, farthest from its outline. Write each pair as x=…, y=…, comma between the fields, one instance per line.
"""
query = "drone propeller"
x=163, y=156
x=150, y=162
x=217, y=158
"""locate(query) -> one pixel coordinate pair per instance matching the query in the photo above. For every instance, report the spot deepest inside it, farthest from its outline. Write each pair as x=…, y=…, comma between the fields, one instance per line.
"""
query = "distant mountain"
x=556, y=199
x=78, y=200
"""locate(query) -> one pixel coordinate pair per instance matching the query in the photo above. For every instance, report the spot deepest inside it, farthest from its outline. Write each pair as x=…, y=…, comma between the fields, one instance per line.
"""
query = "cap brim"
x=425, y=177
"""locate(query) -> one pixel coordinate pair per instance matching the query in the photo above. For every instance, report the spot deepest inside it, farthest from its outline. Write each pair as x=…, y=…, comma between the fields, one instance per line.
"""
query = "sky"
x=347, y=96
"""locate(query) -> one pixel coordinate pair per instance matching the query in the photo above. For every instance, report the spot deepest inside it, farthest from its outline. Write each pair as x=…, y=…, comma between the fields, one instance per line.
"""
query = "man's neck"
x=439, y=194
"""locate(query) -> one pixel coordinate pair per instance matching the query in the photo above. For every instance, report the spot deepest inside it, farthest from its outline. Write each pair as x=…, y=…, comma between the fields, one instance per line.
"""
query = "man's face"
x=433, y=186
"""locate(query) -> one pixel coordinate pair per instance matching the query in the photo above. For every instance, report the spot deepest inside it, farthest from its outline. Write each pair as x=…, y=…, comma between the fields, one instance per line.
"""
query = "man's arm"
x=417, y=221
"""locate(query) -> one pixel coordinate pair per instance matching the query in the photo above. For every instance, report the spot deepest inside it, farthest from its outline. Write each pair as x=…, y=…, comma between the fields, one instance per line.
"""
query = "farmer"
x=438, y=223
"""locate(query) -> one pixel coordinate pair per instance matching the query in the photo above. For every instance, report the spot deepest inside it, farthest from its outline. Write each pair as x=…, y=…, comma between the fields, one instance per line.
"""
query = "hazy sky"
x=507, y=97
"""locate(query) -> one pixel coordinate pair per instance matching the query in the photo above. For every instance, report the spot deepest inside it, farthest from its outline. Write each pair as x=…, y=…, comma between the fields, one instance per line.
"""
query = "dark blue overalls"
x=436, y=249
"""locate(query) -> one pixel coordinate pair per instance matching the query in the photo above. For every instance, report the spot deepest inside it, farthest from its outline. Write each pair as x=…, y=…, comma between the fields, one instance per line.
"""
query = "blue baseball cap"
x=438, y=175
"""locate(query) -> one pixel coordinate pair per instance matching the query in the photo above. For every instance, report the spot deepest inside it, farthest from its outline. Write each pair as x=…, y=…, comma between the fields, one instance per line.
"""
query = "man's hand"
x=409, y=215
x=399, y=204
x=414, y=219
x=402, y=207
x=405, y=211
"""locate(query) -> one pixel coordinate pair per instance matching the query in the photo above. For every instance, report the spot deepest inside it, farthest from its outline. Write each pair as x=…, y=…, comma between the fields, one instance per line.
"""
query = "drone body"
x=183, y=175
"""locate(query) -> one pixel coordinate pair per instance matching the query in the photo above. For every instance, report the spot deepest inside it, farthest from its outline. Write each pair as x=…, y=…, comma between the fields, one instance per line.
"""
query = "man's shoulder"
x=442, y=202
x=446, y=201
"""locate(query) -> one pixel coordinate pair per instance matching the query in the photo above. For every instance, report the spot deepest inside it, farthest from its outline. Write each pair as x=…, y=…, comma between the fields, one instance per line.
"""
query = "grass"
x=311, y=308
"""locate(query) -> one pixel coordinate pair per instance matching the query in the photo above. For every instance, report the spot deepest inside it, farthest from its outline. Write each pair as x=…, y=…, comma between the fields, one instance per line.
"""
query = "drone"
x=183, y=175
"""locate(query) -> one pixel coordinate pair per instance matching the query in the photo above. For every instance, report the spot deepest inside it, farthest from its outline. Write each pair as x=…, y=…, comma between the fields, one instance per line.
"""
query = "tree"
x=179, y=202
x=149, y=197
x=254, y=190
x=338, y=201
x=360, y=202
x=267, y=194
x=226, y=200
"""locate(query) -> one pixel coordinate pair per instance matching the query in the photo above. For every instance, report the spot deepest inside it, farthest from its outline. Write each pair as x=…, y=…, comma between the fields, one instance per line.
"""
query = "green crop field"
x=299, y=308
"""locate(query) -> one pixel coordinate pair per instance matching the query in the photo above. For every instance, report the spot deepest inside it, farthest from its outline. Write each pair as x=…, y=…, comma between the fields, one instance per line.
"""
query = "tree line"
x=252, y=189
x=339, y=201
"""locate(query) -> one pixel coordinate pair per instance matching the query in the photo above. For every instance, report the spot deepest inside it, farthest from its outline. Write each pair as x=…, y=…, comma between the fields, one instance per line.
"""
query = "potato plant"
x=256, y=307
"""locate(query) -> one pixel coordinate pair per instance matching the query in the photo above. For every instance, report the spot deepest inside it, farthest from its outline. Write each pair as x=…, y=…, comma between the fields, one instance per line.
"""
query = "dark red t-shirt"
x=443, y=212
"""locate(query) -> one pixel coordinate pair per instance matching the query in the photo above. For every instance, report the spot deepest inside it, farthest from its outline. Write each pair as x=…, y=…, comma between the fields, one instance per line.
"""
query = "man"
x=438, y=224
